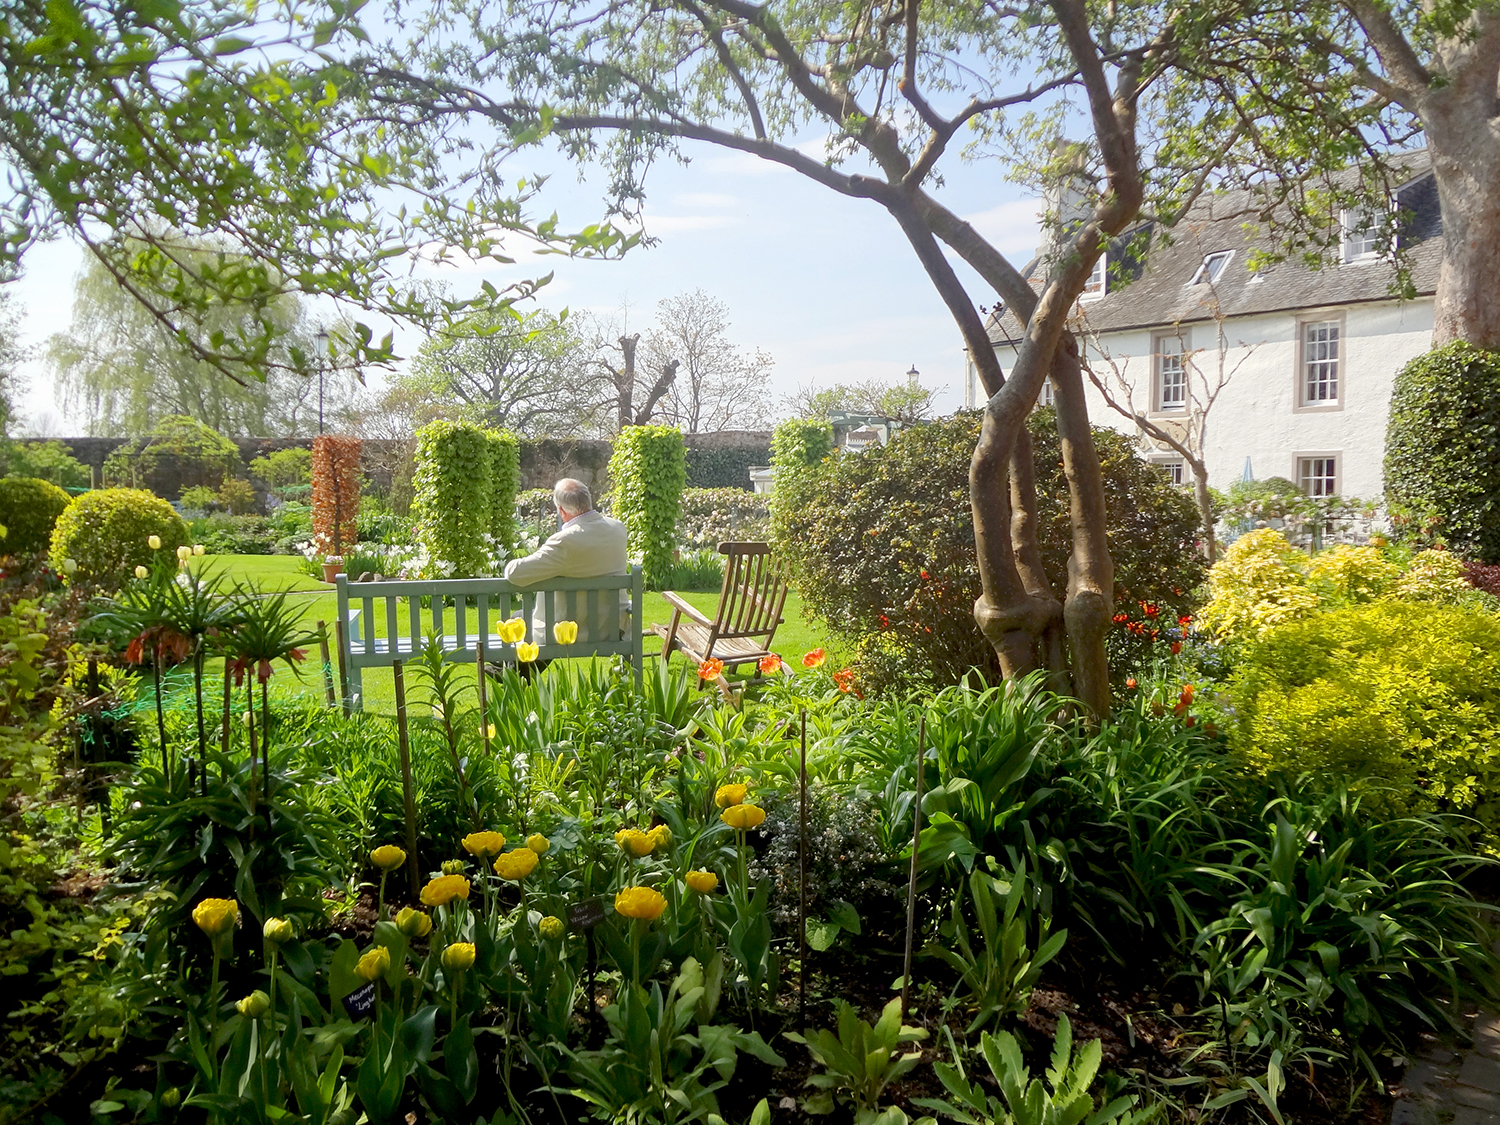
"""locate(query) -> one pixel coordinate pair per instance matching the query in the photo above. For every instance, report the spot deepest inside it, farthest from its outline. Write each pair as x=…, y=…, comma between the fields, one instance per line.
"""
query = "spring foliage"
x=1441, y=442
x=649, y=470
x=454, y=498
x=505, y=482
x=882, y=542
x=28, y=512
x=106, y=531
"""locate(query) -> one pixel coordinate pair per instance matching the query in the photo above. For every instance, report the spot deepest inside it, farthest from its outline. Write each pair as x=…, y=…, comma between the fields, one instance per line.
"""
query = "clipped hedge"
x=1442, y=447
x=454, y=497
x=1396, y=697
x=28, y=511
x=710, y=466
x=882, y=543
x=505, y=483
x=798, y=446
x=106, y=531
x=649, y=470
x=335, y=493
x=711, y=516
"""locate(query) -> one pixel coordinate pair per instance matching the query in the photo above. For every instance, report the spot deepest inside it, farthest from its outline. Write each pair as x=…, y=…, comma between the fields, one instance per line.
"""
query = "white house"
x=1310, y=354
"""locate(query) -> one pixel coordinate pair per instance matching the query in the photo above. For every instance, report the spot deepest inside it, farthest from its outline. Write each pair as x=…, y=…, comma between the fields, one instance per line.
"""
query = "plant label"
x=585, y=915
x=359, y=1002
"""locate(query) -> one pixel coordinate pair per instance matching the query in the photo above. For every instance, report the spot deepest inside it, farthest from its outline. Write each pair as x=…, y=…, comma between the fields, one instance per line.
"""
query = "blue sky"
x=826, y=285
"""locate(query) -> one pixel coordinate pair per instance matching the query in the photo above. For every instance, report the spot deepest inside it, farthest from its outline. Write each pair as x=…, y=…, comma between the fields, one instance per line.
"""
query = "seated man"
x=589, y=545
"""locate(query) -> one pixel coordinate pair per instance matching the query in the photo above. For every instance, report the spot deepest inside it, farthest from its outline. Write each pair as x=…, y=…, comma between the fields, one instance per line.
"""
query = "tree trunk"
x=1466, y=164
x=1205, y=508
x=625, y=380
x=1091, y=572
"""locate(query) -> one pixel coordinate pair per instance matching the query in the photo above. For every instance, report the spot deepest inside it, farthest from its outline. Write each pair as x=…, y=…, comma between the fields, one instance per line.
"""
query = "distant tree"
x=49, y=461
x=127, y=372
x=633, y=396
x=718, y=386
x=524, y=373
x=12, y=355
x=900, y=401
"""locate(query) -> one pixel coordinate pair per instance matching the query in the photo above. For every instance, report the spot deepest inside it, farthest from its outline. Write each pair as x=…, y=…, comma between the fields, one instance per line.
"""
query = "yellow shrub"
x=1259, y=583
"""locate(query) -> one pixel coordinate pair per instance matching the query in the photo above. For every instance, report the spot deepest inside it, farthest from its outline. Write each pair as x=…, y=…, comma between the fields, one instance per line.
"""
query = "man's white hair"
x=570, y=495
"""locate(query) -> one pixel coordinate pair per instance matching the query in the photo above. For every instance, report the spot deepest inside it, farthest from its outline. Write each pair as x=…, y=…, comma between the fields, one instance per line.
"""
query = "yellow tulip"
x=645, y=903
x=444, y=889
x=184, y=553
x=727, y=795
x=634, y=841
x=565, y=632
x=743, y=816
x=551, y=927
x=141, y=572
x=388, y=857
x=516, y=865
x=485, y=845
x=254, y=1005
x=513, y=630
x=199, y=550
x=526, y=652
x=459, y=956
x=661, y=837
x=413, y=923
x=374, y=964
x=216, y=916
x=703, y=882
x=538, y=843
x=154, y=542
x=453, y=867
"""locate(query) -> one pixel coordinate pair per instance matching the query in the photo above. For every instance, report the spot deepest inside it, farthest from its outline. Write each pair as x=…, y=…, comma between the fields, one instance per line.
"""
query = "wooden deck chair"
x=749, y=611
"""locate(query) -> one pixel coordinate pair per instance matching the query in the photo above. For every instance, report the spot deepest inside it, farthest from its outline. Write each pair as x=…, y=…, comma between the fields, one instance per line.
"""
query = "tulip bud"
x=459, y=956
x=453, y=867
x=248, y=718
x=184, y=553
x=413, y=923
x=70, y=566
x=199, y=549
x=141, y=572
x=171, y=1097
x=538, y=843
x=278, y=931
x=254, y=1005
x=374, y=964
x=154, y=542
x=551, y=927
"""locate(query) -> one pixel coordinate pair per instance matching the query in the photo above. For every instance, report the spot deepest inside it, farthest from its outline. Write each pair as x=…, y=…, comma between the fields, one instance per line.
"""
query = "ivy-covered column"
x=649, y=471
x=454, y=497
x=505, y=482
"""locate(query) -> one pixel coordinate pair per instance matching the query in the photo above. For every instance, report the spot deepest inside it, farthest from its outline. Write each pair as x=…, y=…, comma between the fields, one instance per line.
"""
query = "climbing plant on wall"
x=335, y=493
x=505, y=482
x=649, y=470
x=798, y=445
x=454, y=497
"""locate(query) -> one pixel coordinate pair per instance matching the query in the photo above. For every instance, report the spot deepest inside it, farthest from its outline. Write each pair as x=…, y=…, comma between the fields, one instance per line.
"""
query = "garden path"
x=1461, y=1088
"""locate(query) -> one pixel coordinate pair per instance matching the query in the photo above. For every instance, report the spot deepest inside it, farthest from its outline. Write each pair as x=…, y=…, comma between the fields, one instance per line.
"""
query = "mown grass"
x=277, y=573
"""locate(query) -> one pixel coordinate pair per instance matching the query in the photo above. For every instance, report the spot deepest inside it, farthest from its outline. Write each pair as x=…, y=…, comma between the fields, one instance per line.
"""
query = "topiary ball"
x=28, y=510
x=106, y=533
x=1442, y=447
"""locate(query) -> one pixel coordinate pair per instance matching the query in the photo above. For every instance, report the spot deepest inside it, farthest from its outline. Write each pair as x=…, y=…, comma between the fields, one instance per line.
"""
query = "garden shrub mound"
x=649, y=470
x=882, y=543
x=711, y=516
x=1440, y=447
x=106, y=533
x=28, y=511
x=1396, y=697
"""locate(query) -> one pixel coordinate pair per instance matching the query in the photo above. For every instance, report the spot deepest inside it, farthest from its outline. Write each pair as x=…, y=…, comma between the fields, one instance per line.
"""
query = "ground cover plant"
x=585, y=899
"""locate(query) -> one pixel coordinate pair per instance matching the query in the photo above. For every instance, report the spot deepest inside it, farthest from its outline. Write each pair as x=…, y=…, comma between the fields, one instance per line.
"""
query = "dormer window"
x=1360, y=241
x=1213, y=265
x=1098, y=281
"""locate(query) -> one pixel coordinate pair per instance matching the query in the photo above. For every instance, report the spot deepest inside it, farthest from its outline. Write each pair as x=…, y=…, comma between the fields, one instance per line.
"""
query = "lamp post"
x=322, y=339
x=911, y=376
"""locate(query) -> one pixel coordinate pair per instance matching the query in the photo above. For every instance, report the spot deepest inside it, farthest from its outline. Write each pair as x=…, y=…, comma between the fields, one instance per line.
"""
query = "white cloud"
x=1013, y=228
x=693, y=199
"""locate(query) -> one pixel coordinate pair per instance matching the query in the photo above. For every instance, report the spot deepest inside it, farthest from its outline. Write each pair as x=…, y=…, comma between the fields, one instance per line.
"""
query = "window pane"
x=1096, y=281
x=1320, y=363
x=1317, y=476
x=1171, y=377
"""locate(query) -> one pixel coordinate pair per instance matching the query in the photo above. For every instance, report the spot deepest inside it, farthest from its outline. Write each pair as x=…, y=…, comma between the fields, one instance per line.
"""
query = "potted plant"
x=333, y=566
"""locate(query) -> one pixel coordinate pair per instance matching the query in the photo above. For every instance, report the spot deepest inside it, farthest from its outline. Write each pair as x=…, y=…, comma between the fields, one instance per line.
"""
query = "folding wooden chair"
x=749, y=611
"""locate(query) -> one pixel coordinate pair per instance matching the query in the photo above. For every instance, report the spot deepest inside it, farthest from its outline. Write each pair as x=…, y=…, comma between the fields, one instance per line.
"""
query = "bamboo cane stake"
x=484, y=703
x=408, y=795
x=327, y=662
x=911, y=885
x=802, y=884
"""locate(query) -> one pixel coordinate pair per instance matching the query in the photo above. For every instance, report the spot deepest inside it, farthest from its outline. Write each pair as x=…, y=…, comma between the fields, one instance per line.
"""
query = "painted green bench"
x=594, y=603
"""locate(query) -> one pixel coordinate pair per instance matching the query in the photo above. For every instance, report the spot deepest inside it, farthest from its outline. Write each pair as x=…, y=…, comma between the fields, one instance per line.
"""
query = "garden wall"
x=720, y=460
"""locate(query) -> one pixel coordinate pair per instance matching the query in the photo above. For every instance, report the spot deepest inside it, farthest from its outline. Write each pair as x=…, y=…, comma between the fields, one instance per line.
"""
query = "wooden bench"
x=591, y=602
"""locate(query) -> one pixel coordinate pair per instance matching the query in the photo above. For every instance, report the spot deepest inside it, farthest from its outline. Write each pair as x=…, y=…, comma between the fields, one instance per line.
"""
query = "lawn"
x=275, y=573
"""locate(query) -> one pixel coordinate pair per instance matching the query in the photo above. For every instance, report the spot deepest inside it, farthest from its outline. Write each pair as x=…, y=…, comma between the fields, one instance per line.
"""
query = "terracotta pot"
x=332, y=571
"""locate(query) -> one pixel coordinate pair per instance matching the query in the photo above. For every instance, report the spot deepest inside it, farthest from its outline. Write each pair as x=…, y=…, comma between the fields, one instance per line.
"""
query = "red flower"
x=1176, y=647
x=711, y=669
x=1130, y=683
x=1189, y=721
x=924, y=574
x=844, y=679
x=814, y=659
x=1150, y=610
x=1121, y=618
x=1185, y=620
x=885, y=622
x=769, y=665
